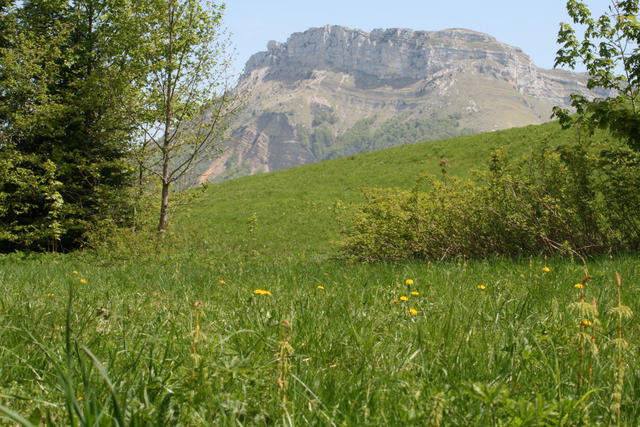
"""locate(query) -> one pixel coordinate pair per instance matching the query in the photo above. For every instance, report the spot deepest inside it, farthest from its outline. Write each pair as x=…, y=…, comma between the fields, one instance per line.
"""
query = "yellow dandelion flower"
x=546, y=269
x=578, y=286
x=586, y=323
x=221, y=282
x=413, y=312
x=74, y=272
x=408, y=282
x=481, y=287
x=395, y=301
x=320, y=287
x=415, y=293
x=83, y=281
x=50, y=294
x=261, y=292
x=404, y=298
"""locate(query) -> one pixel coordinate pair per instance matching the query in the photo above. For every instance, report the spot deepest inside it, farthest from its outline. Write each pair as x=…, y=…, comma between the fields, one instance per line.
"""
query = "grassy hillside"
x=241, y=317
x=293, y=209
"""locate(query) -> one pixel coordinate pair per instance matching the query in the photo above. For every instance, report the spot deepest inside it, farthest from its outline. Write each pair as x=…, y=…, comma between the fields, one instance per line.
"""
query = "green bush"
x=563, y=200
x=30, y=202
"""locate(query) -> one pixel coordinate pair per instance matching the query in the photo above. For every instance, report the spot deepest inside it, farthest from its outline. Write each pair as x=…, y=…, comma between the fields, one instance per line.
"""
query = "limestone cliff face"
x=326, y=90
x=389, y=56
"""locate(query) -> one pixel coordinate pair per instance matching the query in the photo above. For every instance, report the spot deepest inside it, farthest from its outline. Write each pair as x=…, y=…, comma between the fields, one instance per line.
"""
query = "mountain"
x=332, y=92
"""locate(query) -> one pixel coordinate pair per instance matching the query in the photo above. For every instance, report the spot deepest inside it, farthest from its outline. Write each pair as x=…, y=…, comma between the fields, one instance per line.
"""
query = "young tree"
x=187, y=102
x=610, y=50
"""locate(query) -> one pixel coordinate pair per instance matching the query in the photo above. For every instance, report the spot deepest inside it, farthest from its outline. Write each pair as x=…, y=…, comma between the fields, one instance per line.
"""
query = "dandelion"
x=74, y=272
x=546, y=269
x=395, y=301
x=481, y=287
x=413, y=312
x=578, y=286
x=50, y=294
x=586, y=323
x=83, y=281
x=415, y=293
x=320, y=287
x=408, y=282
x=261, y=292
x=404, y=298
x=221, y=282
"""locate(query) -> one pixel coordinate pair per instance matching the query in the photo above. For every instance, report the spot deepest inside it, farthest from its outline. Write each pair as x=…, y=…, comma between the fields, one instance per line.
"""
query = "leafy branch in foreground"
x=610, y=51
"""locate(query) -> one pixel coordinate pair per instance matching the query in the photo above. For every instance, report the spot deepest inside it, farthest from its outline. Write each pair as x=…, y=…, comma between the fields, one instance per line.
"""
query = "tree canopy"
x=65, y=78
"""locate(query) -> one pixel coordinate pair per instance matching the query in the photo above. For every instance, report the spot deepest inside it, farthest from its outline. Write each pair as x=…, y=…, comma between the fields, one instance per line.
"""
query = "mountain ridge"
x=333, y=91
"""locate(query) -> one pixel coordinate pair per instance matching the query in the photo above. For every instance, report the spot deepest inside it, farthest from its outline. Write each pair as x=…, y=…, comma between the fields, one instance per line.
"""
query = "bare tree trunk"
x=163, y=223
x=164, y=209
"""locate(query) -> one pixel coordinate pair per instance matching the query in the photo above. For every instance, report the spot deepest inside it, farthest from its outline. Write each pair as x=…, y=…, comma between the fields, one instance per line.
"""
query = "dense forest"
x=366, y=135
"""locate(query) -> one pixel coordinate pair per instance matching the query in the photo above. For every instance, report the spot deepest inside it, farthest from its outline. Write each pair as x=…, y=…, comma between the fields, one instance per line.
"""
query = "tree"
x=65, y=92
x=187, y=102
x=610, y=51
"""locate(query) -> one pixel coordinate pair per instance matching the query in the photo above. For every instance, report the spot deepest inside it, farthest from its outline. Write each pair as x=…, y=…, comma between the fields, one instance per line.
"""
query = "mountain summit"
x=334, y=91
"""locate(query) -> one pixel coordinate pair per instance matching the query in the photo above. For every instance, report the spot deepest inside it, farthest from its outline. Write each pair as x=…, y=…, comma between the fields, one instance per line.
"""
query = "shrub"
x=563, y=200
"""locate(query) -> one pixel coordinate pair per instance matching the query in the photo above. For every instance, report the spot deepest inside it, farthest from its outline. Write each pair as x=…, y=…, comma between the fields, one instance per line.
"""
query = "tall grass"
x=172, y=332
x=131, y=348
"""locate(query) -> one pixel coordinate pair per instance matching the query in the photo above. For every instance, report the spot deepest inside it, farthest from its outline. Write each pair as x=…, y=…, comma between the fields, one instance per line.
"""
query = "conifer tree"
x=65, y=98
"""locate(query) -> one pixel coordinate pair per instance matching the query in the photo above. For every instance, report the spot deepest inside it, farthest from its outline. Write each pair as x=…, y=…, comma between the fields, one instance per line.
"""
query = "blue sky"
x=530, y=25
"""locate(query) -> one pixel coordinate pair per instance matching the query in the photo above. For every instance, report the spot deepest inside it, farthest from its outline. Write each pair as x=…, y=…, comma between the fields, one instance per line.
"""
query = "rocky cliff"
x=334, y=91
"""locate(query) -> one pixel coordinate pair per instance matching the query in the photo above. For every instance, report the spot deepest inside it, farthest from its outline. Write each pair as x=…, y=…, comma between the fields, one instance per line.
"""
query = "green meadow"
x=244, y=315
